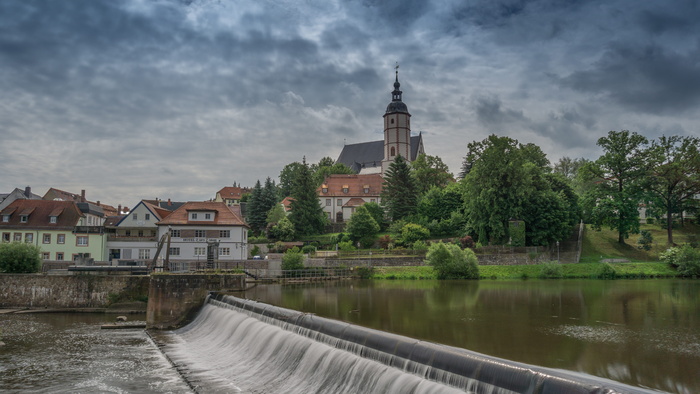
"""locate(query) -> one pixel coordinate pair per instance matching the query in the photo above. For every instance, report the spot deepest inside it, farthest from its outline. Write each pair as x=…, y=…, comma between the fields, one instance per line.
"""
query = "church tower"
x=397, y=128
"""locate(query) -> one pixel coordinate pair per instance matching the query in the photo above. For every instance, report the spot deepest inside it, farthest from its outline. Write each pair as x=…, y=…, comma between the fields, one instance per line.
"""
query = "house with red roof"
x=231, y=195
x=341, y=194
x=202, y=231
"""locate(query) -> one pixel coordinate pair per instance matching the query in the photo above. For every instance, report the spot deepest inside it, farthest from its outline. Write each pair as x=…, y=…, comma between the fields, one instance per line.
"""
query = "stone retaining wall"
x=68, y=291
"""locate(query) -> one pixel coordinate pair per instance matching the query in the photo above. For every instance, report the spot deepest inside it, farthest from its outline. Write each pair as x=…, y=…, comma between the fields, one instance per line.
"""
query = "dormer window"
x=23, y=218
x=324, y=188
x=5, y=218
x=346, y=189
x=53, y=219
x=207, y=216
x=366, y=189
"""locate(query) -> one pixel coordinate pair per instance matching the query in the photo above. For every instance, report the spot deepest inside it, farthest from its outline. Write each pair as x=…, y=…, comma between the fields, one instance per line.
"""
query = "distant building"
x=17, y=194
x=61, y=195
x=374, y=157
x=231, y=195
x=341, y=194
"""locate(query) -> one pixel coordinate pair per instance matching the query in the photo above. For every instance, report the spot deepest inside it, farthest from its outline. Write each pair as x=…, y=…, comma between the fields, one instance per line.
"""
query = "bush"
x=451, y=262
x=551, y=270
x=420, y=245
x=367, y=242
x=467, y=242
x=19, y=258
x=685, y=259
x=606, y=271
x=645, y=240
x=346, y=246
x=255, y=251
x=364, y=272
x=308, y=249
x=292, y=261
x=385, y=241
x=412, y=232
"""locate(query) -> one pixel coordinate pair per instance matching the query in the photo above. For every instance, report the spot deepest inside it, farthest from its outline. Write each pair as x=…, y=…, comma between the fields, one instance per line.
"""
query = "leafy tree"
x=441, y=209
x=307, y=214
x=674, y=176
x=362, y=224
x=618, y=173
x=568, y=167
x=411, y=232
x=508, y=180
x=326, y=166
x=284, y=230
x=377, y=213
x=275, y=214
x=19, y=258
x=685, y=258
x=451, y=262
x=429, y=172
x=292, y=260
x=255, y=210
x=399, y=193
x=289, y=177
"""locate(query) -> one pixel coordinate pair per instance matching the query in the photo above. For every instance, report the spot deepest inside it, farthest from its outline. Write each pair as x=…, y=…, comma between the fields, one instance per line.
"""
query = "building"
x=60, y=195
x=17, y=194
x=201, y=231
x=231, y=195
x=59, y=228
x=134, y=236
x=375, y=157
x=341, y=194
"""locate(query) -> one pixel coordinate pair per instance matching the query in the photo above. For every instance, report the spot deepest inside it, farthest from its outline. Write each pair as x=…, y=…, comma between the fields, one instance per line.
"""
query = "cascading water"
x=236, y=345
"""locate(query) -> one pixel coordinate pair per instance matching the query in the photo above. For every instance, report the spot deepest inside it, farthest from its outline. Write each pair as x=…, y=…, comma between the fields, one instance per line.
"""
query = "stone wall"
x=69, y=291
x=174, y=299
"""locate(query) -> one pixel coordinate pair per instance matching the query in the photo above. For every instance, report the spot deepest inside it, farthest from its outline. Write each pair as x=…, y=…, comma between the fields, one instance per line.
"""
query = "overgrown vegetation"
x=19, y=258
x=452, y=262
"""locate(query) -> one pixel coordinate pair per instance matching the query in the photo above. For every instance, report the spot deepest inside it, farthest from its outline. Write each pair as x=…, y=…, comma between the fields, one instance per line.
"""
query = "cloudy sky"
x=175, y=99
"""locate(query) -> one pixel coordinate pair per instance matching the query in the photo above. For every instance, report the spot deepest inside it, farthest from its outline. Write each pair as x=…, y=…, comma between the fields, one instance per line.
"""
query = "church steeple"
x=397, y=127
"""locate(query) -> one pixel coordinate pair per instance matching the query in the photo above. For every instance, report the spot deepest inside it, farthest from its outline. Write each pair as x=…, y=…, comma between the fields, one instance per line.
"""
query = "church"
x=374, y=157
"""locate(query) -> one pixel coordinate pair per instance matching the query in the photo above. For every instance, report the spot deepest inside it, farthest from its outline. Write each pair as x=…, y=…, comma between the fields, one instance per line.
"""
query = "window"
x=328, y=202
x=59, y=256
x=199, y=233
x=200, y=251
x=339, y=202
x=393, y=151
x=366, y=189
x=53, y=219
x=194, y=216
x=18, y=237
x=23, y=218
x=175, y=233
x=207, y=216
x=45, y=255
x=5, y=237
x=224, y=233
x=127, y=233
x=148, y=216
x=325, y=188
x=392, y=121
x=61, y=238
x=28, y=238
x=81, y=240
x=135, y=216
x=5, y=218
x=140, y=233
x=174, y=251
x=224, y=251
x=144, y=254
x=47, y=239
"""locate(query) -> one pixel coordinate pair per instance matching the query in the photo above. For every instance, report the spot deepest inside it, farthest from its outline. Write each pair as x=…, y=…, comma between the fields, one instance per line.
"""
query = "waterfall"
x=237, y=345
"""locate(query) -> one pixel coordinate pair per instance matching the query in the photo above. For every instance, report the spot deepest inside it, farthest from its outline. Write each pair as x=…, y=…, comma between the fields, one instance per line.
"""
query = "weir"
x=241, y=345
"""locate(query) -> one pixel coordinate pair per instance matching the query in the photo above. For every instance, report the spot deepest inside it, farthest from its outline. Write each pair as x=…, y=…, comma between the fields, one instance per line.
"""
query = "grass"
x=599, y=245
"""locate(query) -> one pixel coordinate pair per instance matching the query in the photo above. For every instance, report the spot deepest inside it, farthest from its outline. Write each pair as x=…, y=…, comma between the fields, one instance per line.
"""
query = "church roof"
x=371, y=154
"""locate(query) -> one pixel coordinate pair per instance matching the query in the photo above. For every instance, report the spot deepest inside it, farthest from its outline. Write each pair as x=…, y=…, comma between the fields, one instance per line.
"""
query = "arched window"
x=393, y=151
x=392, y=121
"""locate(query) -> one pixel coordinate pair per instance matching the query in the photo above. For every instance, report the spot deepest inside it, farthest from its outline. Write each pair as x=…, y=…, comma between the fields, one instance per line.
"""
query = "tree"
x=429, y=172
x=568, y=167
x=362, y=224
x=399, y=194
x=288, y=178
x=411, y=233
x=442, y=210
x=256, y=214
x=619, y=172
x=674, y=176
x=275, y=214
x=327, y=167
x=507, y=180
x=292, y=260
x=19, y=258
x=451, y=262
x=284, y=230
x=307, y=214
x=377, y=213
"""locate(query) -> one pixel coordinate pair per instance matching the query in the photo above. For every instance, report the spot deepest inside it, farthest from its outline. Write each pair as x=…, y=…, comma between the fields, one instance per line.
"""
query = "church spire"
x=396, y=94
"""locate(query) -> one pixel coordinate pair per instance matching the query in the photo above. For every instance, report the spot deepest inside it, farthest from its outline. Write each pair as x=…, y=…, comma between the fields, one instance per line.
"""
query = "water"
x=645, y=333
x=69, y=353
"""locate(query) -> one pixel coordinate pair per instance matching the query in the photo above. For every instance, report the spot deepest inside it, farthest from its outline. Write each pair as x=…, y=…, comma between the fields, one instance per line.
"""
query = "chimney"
x=98, y=203
x=169, y=202
x=119, y=209
x=28, y=192
x=82, y=195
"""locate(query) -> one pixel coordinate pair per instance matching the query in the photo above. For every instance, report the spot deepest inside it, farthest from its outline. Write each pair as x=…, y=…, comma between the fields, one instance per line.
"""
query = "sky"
x=144, y=99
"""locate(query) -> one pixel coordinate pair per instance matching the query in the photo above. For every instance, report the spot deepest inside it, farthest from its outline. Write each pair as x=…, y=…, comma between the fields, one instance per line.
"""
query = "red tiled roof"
x=233, y=192
x=224, y=215
x=54, y=193
x=287, y=203
x=39, y=212
x=354, y=202
x=355, y=183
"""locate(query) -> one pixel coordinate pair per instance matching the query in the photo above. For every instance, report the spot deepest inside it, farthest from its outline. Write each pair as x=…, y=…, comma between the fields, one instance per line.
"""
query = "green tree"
x=451, y=262
x=362, y=224
x=289, y=177
x=256, y=214
x=399, y=194
x=275, y=214
x=618, y=174
x=429, y=172
x=19, y=258
x=568, y=167
x=377, y=213
x=326, y=166
x=307, y=214
x=674, y=176
x=292, y=260
x=507, y=180
x=412, y=232
x=284, y=230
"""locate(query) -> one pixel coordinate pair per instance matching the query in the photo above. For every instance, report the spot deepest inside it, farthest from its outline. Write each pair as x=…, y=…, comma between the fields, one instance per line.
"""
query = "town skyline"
x=176, y=99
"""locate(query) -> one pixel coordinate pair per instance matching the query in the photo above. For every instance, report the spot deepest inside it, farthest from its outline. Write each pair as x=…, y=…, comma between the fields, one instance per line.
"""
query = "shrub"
x=292, y=261
x=362, y=224
x=551, y=270
x=645, y=240
x=420, y=245
x=255, y=251
x=451, y=262
x=364, y=272
x=346, y=246
x=367, y=242
x=19, y=258
x=685, y=259
x=385, y=241
x=467, y=242
x=606, y=271
x=308, y=249
x=412, y=232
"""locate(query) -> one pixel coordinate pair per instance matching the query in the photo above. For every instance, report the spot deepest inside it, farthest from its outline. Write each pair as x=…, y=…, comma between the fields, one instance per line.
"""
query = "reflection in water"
x=614, y=329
